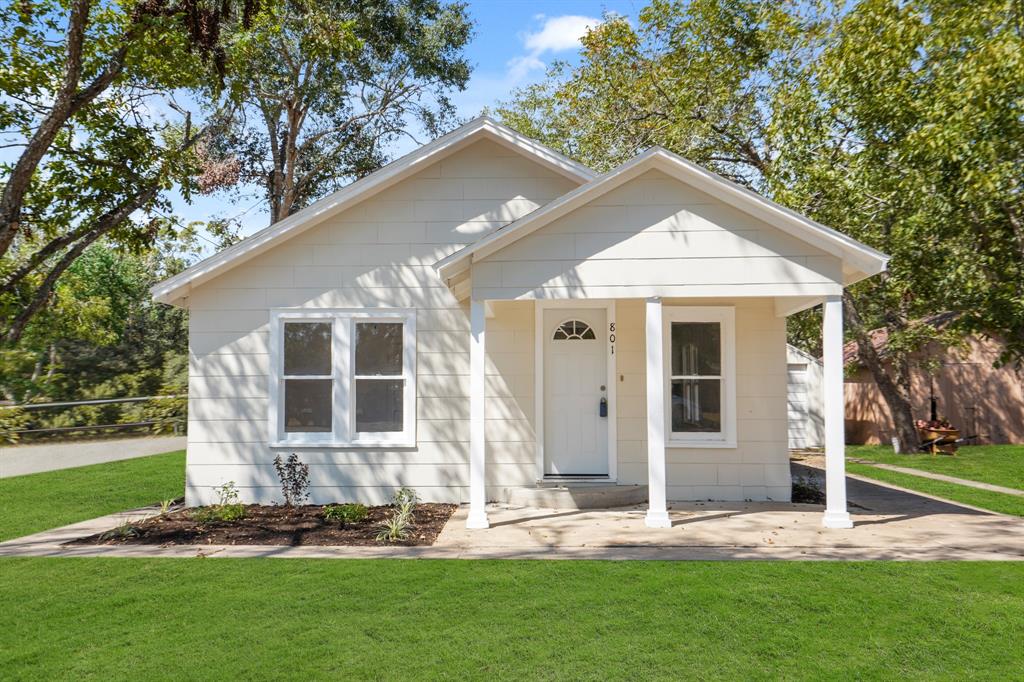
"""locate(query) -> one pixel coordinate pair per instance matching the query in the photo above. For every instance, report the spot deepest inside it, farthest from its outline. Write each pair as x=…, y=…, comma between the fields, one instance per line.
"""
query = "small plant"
x=405, y=500
x=165, y=507
x=123, y=532
x=229, y=507
x=294, y=477
x=345, y=513
x=394, y=528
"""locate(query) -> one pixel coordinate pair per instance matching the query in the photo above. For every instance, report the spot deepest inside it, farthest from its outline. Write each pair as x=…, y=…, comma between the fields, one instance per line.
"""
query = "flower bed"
x=275, y=525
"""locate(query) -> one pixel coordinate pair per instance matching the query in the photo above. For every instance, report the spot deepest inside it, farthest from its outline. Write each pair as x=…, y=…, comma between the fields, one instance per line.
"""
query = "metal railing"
x=176, y=422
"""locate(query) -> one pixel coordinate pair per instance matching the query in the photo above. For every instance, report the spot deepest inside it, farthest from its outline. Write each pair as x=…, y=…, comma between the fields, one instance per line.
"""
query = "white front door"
x=575, y=377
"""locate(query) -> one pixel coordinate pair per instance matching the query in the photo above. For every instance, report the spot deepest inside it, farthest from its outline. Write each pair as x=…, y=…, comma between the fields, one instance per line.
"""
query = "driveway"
x=31, y=459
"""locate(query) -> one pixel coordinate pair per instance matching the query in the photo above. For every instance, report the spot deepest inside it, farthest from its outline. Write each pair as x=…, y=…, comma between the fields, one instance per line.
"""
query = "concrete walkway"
x=32, y=459
x=890, y=524
x=942, y=477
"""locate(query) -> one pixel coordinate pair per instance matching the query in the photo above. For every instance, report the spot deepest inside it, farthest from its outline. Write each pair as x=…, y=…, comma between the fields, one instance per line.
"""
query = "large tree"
x=93, y=133
x=900, y=124
x=323, y=88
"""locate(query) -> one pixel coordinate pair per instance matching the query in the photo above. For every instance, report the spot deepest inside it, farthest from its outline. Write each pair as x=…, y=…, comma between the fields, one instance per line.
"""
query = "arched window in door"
x=574, y=330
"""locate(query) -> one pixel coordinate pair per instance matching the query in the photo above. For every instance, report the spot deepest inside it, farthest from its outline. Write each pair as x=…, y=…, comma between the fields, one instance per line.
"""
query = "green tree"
x=87, y=100
x=321, y=89
x=900, y=124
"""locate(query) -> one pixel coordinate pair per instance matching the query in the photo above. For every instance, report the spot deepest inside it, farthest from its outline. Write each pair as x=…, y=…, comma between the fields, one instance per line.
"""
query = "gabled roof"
x=859, y=260
x=173, y=289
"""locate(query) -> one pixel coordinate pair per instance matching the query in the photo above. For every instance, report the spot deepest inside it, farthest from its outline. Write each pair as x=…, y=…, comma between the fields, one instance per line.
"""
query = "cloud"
x=558, y=34
x=551, y=35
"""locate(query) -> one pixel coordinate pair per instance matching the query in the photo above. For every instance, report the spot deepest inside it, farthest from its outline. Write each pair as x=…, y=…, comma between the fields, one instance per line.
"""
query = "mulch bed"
x=279, y=525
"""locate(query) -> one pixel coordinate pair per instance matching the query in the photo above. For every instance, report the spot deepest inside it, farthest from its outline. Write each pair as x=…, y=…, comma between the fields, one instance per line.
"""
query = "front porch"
x=627, y=443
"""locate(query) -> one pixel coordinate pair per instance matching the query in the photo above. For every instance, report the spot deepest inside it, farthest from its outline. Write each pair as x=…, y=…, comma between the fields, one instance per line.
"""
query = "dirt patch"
x=275, y=525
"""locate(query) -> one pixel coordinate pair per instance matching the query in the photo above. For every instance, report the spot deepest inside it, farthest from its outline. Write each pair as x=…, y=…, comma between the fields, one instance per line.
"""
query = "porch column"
x=836, y=515
x=477, y=439
x=657, y=512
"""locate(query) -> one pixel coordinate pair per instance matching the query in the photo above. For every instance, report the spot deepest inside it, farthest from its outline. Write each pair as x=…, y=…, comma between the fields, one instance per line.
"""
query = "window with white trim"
x=343, y=378
x=700, y=382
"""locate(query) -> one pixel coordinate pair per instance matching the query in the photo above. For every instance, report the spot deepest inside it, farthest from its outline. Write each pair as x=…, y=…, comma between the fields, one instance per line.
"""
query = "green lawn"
x=997, y=502
x=29, y=504
x=996, y=464
x=308, y=619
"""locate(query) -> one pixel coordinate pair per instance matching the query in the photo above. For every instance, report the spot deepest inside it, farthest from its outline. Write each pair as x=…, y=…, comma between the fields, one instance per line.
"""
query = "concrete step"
x=574, y=496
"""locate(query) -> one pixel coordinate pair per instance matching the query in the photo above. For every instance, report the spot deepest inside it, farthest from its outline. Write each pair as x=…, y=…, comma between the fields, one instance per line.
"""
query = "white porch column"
x=836, y=515
x=477, y=438
x=657, y=512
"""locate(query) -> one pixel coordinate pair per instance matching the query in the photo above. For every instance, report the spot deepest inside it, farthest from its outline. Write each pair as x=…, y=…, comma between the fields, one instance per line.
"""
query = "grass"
x=996, y=464
x=391, y=619
x=997, y=502
x=29, y=504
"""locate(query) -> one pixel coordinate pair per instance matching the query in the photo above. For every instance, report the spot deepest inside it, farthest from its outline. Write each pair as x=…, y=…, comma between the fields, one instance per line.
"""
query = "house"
x=485, y=313
x=804, y=399
x=960, y=383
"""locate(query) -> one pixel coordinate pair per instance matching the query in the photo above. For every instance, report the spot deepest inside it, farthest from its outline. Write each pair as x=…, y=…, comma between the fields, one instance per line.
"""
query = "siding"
x=758, y=468
x=804, y=400
x=655, y=236
x=377, y=254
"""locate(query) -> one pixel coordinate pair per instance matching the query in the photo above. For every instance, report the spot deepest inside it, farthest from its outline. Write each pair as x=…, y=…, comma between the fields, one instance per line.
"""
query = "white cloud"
x=559, y=33
x=551, y=35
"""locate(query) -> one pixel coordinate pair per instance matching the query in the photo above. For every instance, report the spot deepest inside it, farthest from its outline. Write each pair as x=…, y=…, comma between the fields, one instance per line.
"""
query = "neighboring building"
x=803, y=398
x=484, y=314
x=967, y=388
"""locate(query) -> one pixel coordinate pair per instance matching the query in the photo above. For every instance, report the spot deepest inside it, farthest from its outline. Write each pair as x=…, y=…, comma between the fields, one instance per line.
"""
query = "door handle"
x=602, y=409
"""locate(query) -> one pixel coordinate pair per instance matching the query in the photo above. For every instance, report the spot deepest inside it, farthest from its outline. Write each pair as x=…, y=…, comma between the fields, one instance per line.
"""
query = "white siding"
x=758, y=468
x=654, y=235
x=377, y=254
x=804, y=400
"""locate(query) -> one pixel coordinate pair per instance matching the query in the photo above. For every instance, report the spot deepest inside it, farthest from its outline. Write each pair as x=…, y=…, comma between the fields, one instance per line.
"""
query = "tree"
x=322, y=88
x=897, y=123
x=92, y=152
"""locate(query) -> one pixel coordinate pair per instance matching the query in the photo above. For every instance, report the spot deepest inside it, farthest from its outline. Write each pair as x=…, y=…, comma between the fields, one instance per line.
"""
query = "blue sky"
x=514, y=41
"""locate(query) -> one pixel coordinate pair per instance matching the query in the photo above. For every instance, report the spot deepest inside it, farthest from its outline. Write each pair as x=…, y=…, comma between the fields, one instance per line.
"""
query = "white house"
x=804, y=399
x=485, y=313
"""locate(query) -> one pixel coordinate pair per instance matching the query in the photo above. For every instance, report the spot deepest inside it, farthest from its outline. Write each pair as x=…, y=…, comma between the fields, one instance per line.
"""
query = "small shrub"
x=345, y=513
x=294, y=477
x=807, y=490
x=165, y=506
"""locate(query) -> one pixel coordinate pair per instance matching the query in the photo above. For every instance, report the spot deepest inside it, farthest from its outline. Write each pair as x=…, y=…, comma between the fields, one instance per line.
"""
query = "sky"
x=514, y=41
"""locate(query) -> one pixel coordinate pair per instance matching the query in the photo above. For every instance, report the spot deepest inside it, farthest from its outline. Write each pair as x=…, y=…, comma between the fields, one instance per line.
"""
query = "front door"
x=575, y=377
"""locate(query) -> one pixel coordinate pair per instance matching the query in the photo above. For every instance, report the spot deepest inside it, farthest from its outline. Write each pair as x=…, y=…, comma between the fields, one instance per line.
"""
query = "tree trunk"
x=895, y=393
x=21, y=175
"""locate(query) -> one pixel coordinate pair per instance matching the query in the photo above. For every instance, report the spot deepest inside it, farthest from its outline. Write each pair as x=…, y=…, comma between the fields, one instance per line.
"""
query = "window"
x=574, y=330
x=700, y=376
x=343, y=378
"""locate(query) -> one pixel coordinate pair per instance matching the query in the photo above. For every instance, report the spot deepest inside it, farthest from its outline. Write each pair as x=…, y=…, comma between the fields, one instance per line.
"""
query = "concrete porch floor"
x=889, y=523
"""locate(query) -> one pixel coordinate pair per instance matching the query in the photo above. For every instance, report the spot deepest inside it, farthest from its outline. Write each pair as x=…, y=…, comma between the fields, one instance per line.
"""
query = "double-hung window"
x=343, y=378
x=700, y=382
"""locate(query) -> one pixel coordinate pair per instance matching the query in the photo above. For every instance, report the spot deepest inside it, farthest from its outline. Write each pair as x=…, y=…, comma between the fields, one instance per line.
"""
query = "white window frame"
x=343, y=409
x=726, y=317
